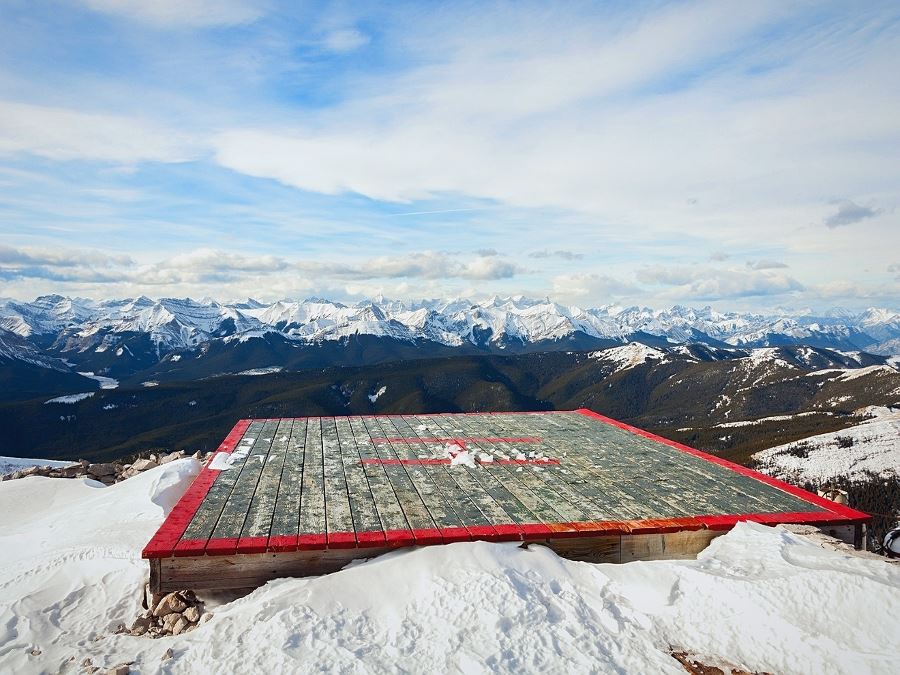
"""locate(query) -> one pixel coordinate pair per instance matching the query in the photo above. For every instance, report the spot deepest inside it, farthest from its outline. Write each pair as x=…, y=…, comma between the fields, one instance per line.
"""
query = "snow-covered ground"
x=760, y=598
x=374, y=397
x=629, y=356
x=268, y=370
x=872, y=446
x=11, y=464
x=70, y=398
x=105, y=382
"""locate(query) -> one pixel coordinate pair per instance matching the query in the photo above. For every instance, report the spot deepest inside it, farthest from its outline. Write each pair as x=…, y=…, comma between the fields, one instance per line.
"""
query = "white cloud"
x=617, y=120
x=766, y=265
x=181, y=13
x=64, y=134
x=421, y=265
x=712, y=283
x=592, y=287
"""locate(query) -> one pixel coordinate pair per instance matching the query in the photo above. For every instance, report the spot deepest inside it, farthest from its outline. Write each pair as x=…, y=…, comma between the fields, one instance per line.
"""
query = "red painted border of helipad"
x=167, y=540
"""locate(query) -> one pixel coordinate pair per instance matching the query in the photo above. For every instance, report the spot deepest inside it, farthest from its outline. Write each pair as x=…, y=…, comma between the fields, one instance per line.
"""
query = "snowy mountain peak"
x=175, y=324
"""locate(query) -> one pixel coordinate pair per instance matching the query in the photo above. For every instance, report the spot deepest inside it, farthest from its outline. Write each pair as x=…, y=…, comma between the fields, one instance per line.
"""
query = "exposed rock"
x=168, y=654
x=180, y=625
x=101, y=470
x=192, y=614
x=171, y=603
x=141, y=625
x=206, y=617
x=171, y=457
x=169, y=621
x=121, y=669
x=35, y=652
x=144, y=464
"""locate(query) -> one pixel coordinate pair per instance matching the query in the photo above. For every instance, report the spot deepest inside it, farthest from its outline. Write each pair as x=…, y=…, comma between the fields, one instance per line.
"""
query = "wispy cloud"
x=559, y=253
x=66, y=134
x=351, y=148
x=344, y=40
x=848, y=213
x=181, y=13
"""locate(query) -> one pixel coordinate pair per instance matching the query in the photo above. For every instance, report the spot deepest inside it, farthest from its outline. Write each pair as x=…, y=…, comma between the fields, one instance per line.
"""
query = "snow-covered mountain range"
x=77, y=325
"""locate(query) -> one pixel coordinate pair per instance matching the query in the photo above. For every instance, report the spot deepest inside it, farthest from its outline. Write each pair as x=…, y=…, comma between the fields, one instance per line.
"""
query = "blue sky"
x=744, y=155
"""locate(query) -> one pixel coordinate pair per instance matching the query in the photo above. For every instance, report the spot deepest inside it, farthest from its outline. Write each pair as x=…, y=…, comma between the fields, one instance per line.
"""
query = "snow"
x=374, y=397
x=182, y=324
x=70, y=398
x=628, y=356
x=268, y=370
x=105, y=382
x=875, y=448
x=150, y=383
x=175, y=358
x=758, y=597
x=12, y=464
x=773, y=418
x=846, y=374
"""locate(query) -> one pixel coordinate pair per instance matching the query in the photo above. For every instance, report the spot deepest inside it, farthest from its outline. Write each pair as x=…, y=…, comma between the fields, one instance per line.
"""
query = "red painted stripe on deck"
x=252, y=545
x=540, y=530
x=399, y=538
x=370, y=539
x=341, y=540
x=430, y=461
x=189, y=547
x=282, y=543
x=312, y=542
x=454, y=534
x=427, y=537
x=845, y=513
x=165, y=542
x=225, y=546
x=517, y=532
x=457, y=439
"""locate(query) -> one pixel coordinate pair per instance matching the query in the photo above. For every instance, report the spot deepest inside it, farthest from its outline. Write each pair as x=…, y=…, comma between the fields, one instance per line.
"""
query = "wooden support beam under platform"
x=305, y=496
x=251, y=570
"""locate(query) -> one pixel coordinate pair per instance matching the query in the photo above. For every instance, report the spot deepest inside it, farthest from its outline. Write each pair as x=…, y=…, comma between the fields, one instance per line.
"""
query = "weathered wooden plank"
x=683, y=545
x=503, y=510
x=253, y=570
x=338, y=511
x=396, y=527
x=568, y=503
x=517, y=485
x=366, y=521
x=201, y=526
x=640, y=469
x=604, y=549
x=470, y=519
x=700, y=481
x=286, y=516
x=426, y=478
x=225, y=534
x=250, y=570
x=258, y=522
x=626, y=493
x=415, y=510
x=312, y=531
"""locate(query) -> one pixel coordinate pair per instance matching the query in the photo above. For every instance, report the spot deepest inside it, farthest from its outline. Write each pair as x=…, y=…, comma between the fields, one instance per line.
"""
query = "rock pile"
x=169, y=614
x=105, y=472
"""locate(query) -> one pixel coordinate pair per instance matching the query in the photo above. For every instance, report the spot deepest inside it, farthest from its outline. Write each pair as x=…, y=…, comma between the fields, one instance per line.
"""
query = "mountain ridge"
x=499, y=322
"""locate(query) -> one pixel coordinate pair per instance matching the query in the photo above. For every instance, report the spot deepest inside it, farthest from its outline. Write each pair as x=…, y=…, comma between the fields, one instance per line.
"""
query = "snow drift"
x=758, y=597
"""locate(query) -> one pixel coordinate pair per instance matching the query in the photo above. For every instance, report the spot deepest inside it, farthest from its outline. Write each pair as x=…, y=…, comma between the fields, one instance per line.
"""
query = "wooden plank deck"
x=309, y=494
